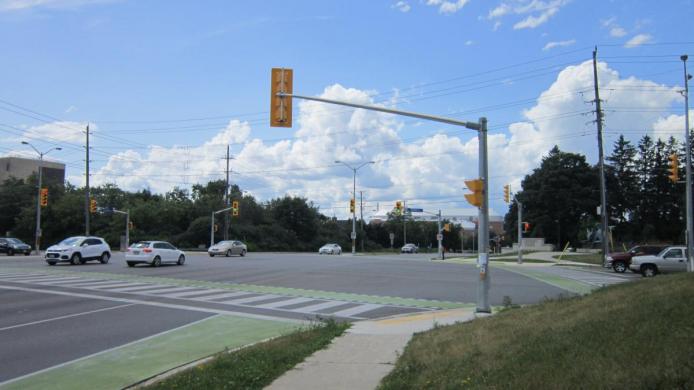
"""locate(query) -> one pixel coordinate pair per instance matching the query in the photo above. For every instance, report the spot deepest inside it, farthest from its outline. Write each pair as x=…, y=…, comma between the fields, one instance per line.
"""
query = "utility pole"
x=439, y=233
x=520, y=232
x=483, y=215
x=353, y=200
x=361, y=213
x=601, y=162
x=87, y=194
x=404, y=222
x=688, y=171
x=226, y=200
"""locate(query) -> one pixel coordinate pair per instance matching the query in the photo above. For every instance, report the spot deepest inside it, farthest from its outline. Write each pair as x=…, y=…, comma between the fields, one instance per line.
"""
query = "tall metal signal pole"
x=227, y=201
x=87, y=194
x=601, y=162
x=688, y=170
x=281, y=96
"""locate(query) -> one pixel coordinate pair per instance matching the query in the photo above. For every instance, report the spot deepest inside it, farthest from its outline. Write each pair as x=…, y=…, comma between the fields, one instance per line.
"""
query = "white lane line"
x=63, y=280
x=89, y=284
x=187, y=293
x=142, y=287
x=164, y=291
x=116, y=284
x=319, y=306
x=351, y=312
x=241, y=301
x=66, y=316
x=220, y=296
x=19, y=378
x=13, y=275
x=287, y=302
x=80, y=281
x=30, y=279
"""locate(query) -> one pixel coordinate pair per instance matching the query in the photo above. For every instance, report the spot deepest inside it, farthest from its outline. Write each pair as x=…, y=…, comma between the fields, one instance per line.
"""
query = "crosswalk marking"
x=116, y=284
x=59, y=281
x=141, y=286
x=240, y=301
x=280, y=304
x=220, y=296
x=353, y=311
x=158, y=291
x=190, y=293
x=319, y=306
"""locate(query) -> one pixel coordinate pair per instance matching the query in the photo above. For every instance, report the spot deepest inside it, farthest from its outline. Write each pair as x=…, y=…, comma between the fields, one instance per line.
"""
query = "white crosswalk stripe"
x=241, y=301
x=116, y=284
x=191, y=293
x=288, y=302
x=319, y=306
x=351, y=312
x=220, y=296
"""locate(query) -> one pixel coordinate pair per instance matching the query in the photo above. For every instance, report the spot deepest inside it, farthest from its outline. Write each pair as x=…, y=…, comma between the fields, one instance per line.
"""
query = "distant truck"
x=620, y=261
x=671, y=259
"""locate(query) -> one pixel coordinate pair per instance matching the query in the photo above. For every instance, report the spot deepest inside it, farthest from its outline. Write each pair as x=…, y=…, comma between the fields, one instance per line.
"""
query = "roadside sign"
x=439, y=237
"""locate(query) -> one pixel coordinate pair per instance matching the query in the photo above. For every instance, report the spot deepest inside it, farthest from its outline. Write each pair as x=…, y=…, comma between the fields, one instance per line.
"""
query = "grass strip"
x=629, y=336
x=256, y=366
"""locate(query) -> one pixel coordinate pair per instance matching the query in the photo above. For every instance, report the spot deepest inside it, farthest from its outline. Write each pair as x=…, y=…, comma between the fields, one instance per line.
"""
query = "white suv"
x=79, y=250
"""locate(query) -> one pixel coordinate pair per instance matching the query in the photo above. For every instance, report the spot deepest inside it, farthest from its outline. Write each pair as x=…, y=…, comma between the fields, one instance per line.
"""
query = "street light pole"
x=688, y=171
x=354, y=195
x=37, y=241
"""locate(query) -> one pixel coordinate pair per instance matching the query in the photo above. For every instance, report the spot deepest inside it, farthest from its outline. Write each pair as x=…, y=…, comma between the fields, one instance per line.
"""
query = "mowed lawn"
x=636, y=335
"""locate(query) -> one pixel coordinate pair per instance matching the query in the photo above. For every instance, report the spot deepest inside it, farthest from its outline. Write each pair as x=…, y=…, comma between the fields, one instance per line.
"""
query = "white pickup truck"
x=670, y=259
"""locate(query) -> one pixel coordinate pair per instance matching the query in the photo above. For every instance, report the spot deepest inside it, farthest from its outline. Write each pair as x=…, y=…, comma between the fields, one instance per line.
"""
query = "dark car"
x=621, y=261
x=14, y=245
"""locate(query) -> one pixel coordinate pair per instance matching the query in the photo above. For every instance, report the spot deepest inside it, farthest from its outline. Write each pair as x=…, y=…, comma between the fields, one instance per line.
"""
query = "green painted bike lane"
x=131, y=363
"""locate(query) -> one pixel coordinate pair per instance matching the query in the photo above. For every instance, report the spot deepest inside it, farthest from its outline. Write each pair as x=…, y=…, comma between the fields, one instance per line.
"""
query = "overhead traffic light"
x=447, y=227
x=281, y=106
x=477, y=187
x=92, y=206
x=674, y=168
x=507, y=193
x=398, y=205
x=235, y=208
x=44, y=197
x=352, y=205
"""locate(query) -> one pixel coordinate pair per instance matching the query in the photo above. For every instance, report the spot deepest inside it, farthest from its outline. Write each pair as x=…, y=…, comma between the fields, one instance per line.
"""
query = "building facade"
x=23, y=168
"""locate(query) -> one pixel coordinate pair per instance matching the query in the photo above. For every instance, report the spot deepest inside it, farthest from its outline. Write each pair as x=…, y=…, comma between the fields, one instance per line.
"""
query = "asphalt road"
x=49, y=317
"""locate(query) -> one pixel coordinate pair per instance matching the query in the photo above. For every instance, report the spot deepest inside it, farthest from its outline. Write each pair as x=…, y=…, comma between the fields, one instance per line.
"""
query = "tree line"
x=183, y=217
x=560, y=198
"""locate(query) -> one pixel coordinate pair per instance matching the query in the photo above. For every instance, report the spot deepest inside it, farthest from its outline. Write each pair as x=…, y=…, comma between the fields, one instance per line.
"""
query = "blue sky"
x=144, y=74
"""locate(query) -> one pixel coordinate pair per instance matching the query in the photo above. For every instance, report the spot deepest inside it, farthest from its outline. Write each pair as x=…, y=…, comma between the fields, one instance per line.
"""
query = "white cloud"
x=448, y=7
x=638, y=40
x=535, y=12
x=236, y=132
x=671, y=126
x=70, y=109
x=402, y=6
x=552, y=45
x=617, y=32
x=469, y=43
x=59, y=131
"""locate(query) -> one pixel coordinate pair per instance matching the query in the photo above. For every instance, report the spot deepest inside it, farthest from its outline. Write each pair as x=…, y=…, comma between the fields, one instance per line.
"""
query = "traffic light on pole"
x=44, y=197
x=281, y=106
x=92, y=206
x=447, y=227
x=526, y=227
x=476, y=186
x=235, y=208
x=352, y=205
x=507, y=193
x=674, y=168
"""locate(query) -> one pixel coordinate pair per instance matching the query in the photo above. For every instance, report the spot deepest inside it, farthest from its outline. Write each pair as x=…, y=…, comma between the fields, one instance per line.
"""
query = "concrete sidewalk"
x=365, y=354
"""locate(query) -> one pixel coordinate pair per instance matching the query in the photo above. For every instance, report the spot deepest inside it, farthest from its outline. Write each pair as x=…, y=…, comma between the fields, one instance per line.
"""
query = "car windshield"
x=142, y=244
x=225, y=243
x=662, y=253
x=72, y=241
x=14, y=241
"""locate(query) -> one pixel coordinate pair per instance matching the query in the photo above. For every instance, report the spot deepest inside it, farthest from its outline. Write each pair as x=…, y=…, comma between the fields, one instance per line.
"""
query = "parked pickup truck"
x=671, y=259
x=620, y=261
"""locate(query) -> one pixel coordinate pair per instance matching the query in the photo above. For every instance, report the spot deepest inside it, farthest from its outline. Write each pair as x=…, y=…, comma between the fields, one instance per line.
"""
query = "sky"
x=165, y=86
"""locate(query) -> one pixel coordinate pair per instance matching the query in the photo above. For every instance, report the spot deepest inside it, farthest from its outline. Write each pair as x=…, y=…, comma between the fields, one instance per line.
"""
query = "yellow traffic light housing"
x=92, y=206
x=674, y=168
x=235, y=208
x=526, y=227
x=507, y=193
x=352, y=205
x=477, y=188
x=447, y=227
x=281, y=106
x=44, y=197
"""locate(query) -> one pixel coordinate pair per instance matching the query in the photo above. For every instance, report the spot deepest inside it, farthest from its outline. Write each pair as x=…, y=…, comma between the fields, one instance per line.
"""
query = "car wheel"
x=211, y=255
x=181, y=260
x=10, y=252
x=131, y=264
x=27, y=253
x=619, y=267
x=76, y=259
x=648, y=271
x=156, y=262
x=228, y=254
x=51, y=262
x=104, y=258
x=243, y=252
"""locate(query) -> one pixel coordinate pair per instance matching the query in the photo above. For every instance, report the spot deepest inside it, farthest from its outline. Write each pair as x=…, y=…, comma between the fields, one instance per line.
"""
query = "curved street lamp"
x=354, y=195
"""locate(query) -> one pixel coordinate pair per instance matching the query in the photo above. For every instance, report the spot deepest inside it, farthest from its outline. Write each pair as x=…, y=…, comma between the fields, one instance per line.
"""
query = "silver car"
x=228, y=248
x=330, y=249
x=154, y=253
x=671, y=259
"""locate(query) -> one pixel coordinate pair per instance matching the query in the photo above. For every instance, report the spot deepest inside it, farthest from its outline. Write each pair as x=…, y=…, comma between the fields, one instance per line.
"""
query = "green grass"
x=636, y=335
x=256, y=366
x=591, y=258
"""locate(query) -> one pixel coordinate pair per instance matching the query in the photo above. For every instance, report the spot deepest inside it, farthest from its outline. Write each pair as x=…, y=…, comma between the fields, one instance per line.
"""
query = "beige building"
x=22, y=168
